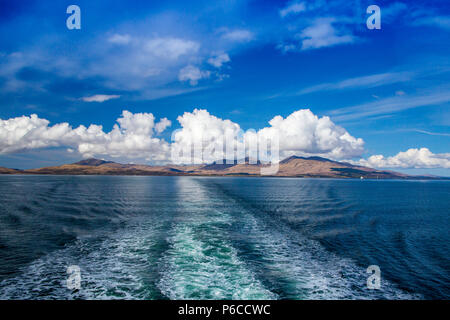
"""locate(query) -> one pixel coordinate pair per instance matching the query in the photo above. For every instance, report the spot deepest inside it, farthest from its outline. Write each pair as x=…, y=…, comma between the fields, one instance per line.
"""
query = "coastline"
x=409, y=178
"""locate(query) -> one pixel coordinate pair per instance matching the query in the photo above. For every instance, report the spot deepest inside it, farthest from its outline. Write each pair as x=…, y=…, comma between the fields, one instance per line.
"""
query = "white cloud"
x=301, y=133
x=239, y=35
x=100, y=98
x=145, y=58
x=131, y=137
x=293, y=8
x=171, y=48
x=192, y=74
x=370, y=81
x=171, y=44
x=218, y=60
x=323, y=34
x=304, y=133
x=32, y=132
x=412, y=158
x=162, y=125
x=120, y=39
x=432, y=133
x=204, y=133
x=393, y=104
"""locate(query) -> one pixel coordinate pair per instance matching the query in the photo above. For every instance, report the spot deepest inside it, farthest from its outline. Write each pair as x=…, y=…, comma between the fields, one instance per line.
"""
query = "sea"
x=134, y=237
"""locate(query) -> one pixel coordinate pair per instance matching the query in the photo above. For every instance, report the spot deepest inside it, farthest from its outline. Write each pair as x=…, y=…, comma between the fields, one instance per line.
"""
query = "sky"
x=142, y=78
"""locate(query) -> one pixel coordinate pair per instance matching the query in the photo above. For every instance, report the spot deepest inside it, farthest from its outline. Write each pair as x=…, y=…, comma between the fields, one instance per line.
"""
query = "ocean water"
x=223, y=238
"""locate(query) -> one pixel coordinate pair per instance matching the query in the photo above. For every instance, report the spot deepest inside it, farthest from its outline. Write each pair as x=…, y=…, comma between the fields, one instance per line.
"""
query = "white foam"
x=306, y=268
x=110, y=269
x=201, y=263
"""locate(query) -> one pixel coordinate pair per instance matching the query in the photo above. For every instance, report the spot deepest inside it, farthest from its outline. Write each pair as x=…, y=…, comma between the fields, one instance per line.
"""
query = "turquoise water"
x=222, y=238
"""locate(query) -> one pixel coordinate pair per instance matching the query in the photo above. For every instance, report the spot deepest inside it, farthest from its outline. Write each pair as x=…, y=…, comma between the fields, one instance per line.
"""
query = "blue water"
x=223, y=238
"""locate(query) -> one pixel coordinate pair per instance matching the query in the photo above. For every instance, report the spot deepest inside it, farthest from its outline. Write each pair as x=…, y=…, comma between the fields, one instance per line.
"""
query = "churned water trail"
x=289, y=263
x=202, y=262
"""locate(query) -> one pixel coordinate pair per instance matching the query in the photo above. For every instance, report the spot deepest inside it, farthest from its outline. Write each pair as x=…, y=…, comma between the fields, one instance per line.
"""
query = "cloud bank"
x=133, y=136
x=205, y=136
x=412, y=158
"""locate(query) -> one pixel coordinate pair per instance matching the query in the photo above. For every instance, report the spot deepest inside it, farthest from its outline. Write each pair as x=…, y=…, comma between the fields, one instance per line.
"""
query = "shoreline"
x=409, y=178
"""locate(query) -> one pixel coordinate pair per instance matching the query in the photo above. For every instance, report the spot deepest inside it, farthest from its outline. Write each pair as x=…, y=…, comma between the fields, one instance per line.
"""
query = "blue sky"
x=246, y=61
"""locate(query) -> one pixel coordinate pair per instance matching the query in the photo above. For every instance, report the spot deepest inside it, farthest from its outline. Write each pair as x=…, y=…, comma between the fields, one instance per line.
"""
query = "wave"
x=196, y=238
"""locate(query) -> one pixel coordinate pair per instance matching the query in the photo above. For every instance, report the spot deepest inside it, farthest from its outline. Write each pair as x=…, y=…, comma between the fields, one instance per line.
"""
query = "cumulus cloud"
x=412, y=158
x=32, y=132
x=304, y=133
x=192, y=74
x=218, y=60
x=301, y=133
x=100, y=98
x=131, y=137
x=293, y=8
x=162, y=125
x=202, y=137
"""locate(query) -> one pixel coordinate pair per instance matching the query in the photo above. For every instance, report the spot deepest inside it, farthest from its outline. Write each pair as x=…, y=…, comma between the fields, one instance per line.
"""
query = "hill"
x=314, y=167
x=8, y=171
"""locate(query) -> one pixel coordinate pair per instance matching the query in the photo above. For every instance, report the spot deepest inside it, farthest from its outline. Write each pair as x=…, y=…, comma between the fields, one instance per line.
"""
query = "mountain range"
x=313, y=167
